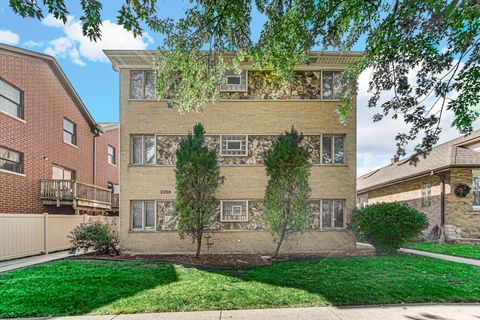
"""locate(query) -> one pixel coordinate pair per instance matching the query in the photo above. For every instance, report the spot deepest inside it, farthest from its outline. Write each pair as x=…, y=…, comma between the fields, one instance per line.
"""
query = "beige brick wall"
x=312, y=117
x=460, y=218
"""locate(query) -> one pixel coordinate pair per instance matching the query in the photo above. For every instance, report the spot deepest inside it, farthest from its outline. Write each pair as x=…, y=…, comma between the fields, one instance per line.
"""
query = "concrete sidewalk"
x=472, y=262
x=407, y=312
x=10, y=265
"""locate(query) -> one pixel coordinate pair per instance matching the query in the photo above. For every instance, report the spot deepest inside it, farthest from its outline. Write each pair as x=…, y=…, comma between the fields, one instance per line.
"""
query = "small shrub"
x=96, y=235
x=387, y=226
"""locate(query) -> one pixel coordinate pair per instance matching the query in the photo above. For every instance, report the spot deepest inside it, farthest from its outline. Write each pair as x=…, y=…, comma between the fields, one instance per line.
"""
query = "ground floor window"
x=332, y=213
x=362, y=200
x=143, y=215
x=426, y=195
x=476, y=189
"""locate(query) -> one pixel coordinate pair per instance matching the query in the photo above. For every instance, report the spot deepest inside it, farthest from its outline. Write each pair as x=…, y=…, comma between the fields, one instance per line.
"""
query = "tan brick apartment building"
x=53, y=155
x=241, y=126
x=430, y=186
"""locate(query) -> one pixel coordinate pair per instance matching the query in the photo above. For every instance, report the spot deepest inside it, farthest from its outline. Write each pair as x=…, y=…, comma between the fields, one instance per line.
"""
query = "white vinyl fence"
x=23, y=235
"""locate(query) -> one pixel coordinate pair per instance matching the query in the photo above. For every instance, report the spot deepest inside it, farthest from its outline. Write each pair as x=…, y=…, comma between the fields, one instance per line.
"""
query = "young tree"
x=288, y=190
x=197, y=178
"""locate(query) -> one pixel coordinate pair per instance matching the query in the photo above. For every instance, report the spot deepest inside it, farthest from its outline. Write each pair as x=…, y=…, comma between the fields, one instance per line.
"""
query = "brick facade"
x=105, y=172
x=256, y=114
x=39, y=136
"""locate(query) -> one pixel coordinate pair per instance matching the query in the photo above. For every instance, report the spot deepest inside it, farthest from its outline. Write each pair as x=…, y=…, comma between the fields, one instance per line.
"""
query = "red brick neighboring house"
x=53, y=155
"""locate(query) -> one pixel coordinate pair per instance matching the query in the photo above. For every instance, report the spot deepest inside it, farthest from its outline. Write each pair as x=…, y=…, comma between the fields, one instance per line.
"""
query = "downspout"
x=442, y=201
x=95, y=158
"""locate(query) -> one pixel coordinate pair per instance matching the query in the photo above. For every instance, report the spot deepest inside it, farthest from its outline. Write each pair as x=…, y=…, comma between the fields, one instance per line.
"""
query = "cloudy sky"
x=92, y=76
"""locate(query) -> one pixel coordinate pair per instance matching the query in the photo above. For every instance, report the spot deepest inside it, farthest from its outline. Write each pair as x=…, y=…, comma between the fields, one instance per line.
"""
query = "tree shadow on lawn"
x=70, y=288
x=373, y=280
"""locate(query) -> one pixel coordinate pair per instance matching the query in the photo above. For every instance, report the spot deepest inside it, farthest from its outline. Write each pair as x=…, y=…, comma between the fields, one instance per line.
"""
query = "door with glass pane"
x=64, y=176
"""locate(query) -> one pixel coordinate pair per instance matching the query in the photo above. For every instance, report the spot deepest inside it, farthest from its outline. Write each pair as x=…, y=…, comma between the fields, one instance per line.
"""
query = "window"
x=333, y=149
x=332, y=213
x=143, y=215
x=11, y=160
x=426, y=195
x=234, y=211
x=362, y=200
x=111, y=155
x=69, y=132
x=143, y=149
x=142, y=84
x=235, y=82
x=60, y=173
x=332, y=85
x=233, y=146
x=476, y=189
x=11, y=99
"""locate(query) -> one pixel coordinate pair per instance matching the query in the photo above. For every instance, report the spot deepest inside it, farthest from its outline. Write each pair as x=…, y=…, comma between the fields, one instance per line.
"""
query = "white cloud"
x=79, y=48
x=9, y=37
x=376, y=140
x=32, y=44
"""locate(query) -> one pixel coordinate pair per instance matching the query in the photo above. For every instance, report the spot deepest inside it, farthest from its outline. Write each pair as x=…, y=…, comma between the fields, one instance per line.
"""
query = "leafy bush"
x=387, y=226
x=96, y=235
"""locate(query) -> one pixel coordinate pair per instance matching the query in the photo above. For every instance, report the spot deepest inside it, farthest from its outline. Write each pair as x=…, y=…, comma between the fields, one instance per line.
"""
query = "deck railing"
x=70, y=190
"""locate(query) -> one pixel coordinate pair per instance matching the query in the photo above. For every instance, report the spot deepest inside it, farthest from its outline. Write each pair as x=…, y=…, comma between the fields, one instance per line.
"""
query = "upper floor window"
x=235, y=145
x=142, y=84
x=426, y=195
x=235, y=82
x=11, y=160
x=333, y=149
x=69, y=131
x=476, y=189
x=11, y=99
x=143, y=149
x=143, y=215
x=234, y=211
x=111, y=155
x=332, y=85
x=332, y=212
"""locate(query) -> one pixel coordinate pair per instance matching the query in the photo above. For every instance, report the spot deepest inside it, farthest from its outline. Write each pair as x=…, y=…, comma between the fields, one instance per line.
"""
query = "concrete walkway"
x=30, y=261
x=407, y=312
x=472, y=262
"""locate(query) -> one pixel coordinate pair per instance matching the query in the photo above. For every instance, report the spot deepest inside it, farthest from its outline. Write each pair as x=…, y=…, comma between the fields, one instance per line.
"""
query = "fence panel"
x=23, y=235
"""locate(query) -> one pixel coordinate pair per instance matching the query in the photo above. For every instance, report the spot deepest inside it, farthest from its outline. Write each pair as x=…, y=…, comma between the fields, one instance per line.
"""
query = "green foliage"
x=387, y=226
x=288, y=190
x=459, y=250
x=197, y=179
x=95, y=235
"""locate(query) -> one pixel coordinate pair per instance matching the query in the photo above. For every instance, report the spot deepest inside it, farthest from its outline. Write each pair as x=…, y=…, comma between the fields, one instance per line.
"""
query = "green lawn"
x=74, y=287
x=459, y=250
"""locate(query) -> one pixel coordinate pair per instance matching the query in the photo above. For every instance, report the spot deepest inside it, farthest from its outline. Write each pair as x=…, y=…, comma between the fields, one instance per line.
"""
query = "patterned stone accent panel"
x=314, y=208
x=166, y=216
x=262, y=85
x=257, y=148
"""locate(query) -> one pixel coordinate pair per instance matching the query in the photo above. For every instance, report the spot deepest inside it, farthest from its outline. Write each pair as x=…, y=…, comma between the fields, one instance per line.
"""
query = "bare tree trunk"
x=199, y=243
x=282, y=236
x=441, y=239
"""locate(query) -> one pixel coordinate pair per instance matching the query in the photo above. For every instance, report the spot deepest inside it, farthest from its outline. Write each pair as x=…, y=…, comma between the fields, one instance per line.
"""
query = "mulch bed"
x=215, y=261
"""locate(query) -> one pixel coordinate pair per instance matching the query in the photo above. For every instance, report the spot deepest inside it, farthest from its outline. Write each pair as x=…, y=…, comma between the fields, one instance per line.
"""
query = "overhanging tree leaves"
x=197, y=178
x=288, y=190
x=424, y=55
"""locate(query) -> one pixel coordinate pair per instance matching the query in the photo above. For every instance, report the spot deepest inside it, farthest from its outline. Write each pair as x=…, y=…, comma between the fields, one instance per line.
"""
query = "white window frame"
x=144, y=71
x=321, y=85
x=475, y=173
x=143, y=216
x=21, y=163
x=20, y=111
x=73, y=134
x=332, y=222
x=114, y=163
x=332, y=137
x=236, y=200
x=222, y=151
x=426, y=195
x=234, y=76
x=142, y=163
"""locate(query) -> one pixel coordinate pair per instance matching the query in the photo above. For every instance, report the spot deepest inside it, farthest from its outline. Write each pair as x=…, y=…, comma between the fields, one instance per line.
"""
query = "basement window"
x=234, y=211
x=233, y=145
x=235, y=82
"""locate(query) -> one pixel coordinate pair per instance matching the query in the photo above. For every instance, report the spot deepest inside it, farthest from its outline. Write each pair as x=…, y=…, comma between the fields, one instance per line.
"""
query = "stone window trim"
x=426, y=195
x=11, y=161
x=322, y=98
x=476, y=190
x=143, y=162
x=222, y=219
x=243, y=79
x=144, y=228
x=332, y=222
x=333, y=135
x=111, y=155
x=225, y=153
x=144, y=93
x=19, y=104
